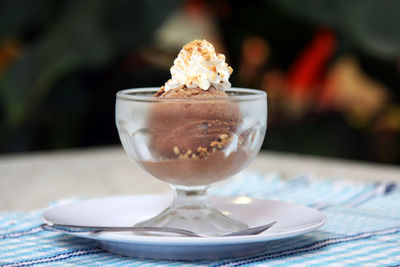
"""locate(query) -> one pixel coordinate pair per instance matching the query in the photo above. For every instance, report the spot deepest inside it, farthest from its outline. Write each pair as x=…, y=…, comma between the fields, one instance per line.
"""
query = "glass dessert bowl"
x=192, y=143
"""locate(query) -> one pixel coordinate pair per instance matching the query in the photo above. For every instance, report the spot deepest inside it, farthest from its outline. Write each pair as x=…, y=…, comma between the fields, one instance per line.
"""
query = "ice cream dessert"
x=197, y=142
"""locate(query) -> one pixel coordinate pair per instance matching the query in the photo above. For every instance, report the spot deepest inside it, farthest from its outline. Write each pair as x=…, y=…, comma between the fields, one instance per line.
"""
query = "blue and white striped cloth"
x=363, y=229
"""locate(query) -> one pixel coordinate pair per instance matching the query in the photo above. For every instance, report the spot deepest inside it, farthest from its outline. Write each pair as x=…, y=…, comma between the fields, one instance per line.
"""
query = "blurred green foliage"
x=60, y=38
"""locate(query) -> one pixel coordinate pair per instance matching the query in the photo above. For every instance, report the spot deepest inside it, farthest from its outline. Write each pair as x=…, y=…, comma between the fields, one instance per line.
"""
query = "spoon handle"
x=99, y=229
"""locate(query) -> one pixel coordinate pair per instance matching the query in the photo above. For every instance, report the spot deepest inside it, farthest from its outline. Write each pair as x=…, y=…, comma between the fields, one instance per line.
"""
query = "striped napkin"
x=363, y=229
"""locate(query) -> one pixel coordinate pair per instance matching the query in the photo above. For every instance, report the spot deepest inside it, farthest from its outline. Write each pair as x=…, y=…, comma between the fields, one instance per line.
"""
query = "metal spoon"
x=98, y=229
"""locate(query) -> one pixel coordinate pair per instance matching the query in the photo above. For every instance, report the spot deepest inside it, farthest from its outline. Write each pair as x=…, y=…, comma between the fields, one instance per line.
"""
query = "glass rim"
x=252, y=94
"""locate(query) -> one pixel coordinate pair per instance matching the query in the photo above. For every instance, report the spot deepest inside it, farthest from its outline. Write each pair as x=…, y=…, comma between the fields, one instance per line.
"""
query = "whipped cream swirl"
x=198, y=65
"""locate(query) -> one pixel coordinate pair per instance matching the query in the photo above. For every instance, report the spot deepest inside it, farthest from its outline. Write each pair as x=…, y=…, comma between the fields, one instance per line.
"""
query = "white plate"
x=292, y=220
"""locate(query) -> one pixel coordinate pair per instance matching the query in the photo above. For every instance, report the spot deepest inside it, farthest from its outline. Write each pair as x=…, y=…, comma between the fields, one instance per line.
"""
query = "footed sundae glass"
x=192, y=143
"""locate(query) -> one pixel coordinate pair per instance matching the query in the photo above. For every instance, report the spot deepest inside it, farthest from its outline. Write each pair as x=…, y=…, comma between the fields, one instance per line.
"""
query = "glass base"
x=191, y=211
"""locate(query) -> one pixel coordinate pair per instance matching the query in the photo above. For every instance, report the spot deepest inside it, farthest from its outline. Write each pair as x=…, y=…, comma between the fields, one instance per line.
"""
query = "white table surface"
x=32, y=180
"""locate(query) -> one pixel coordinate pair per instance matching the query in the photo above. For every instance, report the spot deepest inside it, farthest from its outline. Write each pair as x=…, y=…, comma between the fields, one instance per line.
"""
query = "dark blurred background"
x=331, y=68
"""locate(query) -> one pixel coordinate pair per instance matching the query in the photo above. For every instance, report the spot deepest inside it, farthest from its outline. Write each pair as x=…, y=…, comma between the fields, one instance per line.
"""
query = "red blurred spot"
x=306, y=70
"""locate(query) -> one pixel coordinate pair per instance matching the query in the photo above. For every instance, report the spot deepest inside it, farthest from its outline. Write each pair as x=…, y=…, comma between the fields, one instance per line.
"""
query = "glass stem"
x=194, y=197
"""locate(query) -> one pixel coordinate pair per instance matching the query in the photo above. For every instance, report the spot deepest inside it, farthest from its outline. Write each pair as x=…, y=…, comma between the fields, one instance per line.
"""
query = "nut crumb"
x=176, y=150
x=223, y=136
x=240, y=140
x=203, y=153
x=214, y=143
x=183, y=156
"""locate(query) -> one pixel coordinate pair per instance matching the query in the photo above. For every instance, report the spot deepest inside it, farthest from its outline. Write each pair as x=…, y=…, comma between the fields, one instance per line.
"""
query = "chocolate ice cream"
x=197, y=142
x=193, y=129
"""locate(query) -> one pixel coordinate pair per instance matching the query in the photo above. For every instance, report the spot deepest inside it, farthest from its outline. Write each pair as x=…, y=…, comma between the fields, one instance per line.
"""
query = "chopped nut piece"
x=176, y=150
x=240, y=140
x=202, y=152
x=183, y=156
x=201, y=149
x=223, y=136
x=214, y=143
